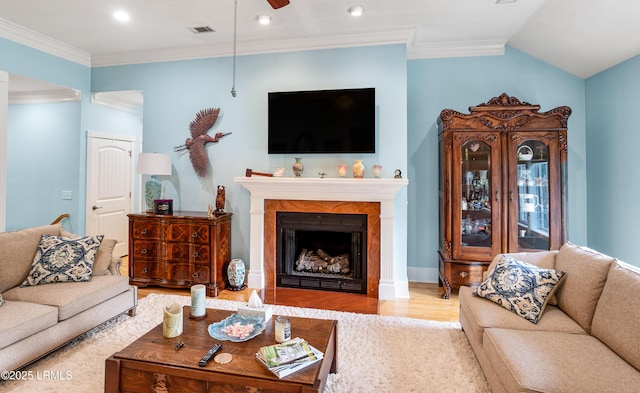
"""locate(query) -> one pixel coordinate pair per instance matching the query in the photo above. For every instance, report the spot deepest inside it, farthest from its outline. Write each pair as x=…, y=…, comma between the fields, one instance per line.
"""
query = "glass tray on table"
x=237, y=328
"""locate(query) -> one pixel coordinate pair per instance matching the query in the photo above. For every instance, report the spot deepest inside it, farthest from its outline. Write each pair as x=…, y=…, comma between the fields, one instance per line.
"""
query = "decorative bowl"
x=228, y=328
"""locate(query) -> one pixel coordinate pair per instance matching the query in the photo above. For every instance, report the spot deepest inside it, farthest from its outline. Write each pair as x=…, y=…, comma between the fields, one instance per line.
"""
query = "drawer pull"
x=196, y=255
x=251, y=389
x=194, y=234
x=143, y=251
x=195, y=275
x=463, y=274
x=145, y=270
x=143, y=232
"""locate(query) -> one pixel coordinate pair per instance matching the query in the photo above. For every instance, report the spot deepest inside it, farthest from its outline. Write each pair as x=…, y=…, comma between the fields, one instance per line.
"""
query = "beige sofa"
x=35, y=320
x=587, y=340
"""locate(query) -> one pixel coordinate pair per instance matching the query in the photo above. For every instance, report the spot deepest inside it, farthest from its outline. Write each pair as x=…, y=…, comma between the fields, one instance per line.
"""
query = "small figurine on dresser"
x=220, y=200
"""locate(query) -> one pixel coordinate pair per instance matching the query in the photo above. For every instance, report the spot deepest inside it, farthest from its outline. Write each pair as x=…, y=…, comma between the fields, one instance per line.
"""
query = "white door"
x=109, y=188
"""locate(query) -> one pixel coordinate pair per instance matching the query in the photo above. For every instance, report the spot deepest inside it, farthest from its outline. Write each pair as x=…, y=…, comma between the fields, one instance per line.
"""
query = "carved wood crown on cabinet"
x=180, y=250
x=480, y=160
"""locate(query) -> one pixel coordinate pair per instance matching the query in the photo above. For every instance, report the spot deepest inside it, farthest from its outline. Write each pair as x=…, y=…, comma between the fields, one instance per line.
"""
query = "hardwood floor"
x=424, y=301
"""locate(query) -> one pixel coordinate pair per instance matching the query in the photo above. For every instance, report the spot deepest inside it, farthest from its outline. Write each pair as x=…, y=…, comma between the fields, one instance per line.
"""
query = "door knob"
x=94, y=207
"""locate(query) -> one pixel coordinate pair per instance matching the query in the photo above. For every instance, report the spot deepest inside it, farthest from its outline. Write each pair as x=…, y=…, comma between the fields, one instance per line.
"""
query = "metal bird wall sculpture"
x=205, y=119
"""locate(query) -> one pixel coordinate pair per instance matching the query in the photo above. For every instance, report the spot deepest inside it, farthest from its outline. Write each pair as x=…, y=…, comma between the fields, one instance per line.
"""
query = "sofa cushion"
x=616, y=321
x=103, y=256
x=520, y=287
x=483, y=314
x=586, y=274
x=539, y=361
x=16, y=253
x=19, y=320
x=71, y=298
x=544, y=259
x=61, y=259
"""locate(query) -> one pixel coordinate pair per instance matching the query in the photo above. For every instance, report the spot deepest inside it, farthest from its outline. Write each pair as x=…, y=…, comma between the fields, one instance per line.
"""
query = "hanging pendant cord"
x=235, y=32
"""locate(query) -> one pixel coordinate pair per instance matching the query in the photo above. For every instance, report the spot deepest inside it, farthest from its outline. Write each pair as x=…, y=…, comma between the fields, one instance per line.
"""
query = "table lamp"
x=153, y=164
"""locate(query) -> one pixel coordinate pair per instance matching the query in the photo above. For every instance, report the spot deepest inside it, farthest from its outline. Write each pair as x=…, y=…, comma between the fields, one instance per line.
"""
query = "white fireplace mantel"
x=393, y=270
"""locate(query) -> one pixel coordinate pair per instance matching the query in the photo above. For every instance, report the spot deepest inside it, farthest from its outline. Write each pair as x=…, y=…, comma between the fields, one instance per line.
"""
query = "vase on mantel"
x=298, y=167
x=358, y=169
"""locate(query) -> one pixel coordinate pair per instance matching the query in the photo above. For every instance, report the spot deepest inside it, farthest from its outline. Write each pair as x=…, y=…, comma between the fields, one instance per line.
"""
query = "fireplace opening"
x=322, y=251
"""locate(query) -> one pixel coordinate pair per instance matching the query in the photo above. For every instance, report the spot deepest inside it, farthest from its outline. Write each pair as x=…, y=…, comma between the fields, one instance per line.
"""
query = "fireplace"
x=324, y=251
x=380, y=199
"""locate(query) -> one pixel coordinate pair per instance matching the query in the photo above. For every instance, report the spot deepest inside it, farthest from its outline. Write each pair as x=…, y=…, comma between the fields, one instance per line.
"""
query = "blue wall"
x=48, y=150
x=42, y=161
x=613, y=97
x=175, y=91
x=459, y=83
x=410, y=95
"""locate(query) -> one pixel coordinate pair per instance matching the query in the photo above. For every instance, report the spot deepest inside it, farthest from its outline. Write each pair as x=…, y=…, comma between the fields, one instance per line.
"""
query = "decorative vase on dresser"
x=180, y=250
x=503, y=174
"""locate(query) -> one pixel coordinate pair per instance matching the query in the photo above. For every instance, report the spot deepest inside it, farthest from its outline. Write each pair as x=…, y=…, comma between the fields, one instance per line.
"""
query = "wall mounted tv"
x=322, y=121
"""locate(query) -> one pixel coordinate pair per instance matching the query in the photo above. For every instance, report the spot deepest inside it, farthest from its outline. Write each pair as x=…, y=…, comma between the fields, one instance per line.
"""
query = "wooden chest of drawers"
x=179, y=250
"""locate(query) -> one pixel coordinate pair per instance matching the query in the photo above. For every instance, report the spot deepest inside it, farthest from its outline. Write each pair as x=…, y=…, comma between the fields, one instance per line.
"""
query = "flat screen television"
x=322, y=121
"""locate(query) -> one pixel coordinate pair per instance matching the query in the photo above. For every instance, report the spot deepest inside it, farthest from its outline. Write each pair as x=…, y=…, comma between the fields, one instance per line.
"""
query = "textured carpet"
x=375, y=353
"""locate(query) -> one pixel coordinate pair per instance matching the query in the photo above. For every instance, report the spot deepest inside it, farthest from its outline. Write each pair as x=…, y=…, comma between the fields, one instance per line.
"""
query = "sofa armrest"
x=114, y=267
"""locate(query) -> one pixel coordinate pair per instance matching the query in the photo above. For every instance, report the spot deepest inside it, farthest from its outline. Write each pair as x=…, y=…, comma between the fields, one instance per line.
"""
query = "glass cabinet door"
x=532, y=199
x=476, y=190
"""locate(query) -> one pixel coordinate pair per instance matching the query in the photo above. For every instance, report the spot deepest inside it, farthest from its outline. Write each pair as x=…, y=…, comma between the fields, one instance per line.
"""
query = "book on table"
x=288, y=357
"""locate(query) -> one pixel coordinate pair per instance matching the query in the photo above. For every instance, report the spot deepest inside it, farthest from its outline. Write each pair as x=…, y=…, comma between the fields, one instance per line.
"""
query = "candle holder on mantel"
x=342, y=170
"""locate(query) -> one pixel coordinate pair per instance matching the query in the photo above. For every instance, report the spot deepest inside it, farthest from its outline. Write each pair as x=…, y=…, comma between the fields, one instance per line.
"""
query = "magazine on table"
x=288, y=357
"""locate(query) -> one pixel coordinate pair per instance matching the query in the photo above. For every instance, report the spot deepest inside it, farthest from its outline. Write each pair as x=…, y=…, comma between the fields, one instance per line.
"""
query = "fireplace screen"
x=322, y=251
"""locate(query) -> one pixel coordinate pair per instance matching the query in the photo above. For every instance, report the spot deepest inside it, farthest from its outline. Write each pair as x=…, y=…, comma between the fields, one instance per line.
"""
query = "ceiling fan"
x=278, y=3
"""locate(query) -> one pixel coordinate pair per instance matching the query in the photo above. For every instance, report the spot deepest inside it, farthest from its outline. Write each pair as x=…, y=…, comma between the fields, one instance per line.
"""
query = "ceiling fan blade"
x=278, y=3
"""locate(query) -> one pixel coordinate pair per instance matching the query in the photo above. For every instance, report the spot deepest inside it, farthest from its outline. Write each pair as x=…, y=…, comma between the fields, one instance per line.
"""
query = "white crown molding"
x=415, y=50
x=44, y=96
x=456, y=49
x=253, y=48
x=22, y=35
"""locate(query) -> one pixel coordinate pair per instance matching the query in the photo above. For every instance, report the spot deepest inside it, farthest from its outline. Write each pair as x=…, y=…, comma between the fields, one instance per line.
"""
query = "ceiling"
x=582, y=37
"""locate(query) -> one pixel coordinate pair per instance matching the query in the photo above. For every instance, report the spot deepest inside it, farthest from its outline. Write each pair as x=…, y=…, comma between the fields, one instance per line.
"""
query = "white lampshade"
x=154, y=164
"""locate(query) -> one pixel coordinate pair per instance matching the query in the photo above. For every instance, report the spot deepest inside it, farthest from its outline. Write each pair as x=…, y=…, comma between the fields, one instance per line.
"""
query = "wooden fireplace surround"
x=371, y=209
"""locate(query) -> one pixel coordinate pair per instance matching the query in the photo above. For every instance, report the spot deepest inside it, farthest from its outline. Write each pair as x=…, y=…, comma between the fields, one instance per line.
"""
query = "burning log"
x=321, y=262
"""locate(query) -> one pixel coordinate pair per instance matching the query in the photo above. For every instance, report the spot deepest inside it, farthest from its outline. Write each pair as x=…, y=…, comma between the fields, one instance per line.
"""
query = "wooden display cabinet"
x=501, y=185
x=179, y=250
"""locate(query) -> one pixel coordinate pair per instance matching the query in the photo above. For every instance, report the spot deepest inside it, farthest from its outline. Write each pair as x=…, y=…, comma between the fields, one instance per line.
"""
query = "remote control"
x=207, y=356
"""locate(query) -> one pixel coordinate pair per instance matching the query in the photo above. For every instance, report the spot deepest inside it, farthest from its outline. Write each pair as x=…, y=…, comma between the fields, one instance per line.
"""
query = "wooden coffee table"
x=152, y=364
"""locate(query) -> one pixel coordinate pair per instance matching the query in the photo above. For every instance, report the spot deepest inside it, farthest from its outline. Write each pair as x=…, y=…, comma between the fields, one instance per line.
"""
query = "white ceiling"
x=582, y=37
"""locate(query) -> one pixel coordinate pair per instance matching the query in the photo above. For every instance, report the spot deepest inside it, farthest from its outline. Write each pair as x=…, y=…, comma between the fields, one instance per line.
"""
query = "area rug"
x=375, y=353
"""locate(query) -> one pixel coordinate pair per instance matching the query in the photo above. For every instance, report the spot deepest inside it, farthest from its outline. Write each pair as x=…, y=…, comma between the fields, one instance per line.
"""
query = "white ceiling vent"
x=202, y=29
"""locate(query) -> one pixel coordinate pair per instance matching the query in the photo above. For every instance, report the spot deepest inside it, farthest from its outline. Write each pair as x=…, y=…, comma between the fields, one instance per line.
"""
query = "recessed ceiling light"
x=122, y=16
x=264, y=19
x=355, y=10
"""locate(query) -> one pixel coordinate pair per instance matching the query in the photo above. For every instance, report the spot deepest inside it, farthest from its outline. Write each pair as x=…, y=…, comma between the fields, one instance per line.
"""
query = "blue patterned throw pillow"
x=521, y=288
x=62, y=259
